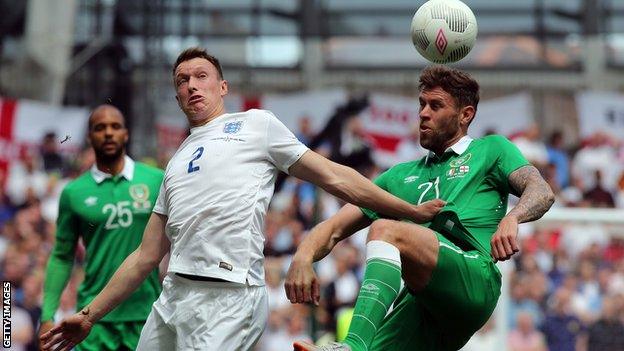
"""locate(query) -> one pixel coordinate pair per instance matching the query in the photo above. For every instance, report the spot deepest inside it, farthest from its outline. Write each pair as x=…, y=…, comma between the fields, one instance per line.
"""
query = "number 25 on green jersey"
x=119, y=215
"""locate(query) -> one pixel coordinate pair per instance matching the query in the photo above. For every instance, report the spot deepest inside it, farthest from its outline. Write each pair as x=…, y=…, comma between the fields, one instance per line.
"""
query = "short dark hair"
x=194, y=52
x=104, y=107
x=460, y=85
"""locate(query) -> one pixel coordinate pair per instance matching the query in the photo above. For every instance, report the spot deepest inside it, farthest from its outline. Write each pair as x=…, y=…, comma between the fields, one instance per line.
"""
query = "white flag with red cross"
x=23, y=124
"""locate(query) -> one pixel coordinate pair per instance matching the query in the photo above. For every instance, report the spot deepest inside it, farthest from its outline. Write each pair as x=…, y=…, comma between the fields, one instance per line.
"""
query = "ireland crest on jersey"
x=140, y=195
x=460, y=160
x=232, y=127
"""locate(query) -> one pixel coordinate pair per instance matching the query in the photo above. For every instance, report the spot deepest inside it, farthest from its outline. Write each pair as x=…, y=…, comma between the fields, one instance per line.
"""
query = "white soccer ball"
x=444, y=31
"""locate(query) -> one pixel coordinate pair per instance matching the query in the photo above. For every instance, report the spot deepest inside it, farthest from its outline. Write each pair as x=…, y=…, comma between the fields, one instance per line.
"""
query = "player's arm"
x=135, y=268
x=349, y=185
x=536, y=197
x=301, y=282
x=132, y=272
x=60, y=263
x=324, y=236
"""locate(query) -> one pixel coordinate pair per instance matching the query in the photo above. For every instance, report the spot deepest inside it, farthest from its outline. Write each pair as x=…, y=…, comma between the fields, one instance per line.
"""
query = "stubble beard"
x=438, y=138
x=109, y=158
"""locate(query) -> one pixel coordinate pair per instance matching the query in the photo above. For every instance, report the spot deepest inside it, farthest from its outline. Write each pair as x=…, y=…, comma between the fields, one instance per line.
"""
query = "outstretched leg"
x=389, y=244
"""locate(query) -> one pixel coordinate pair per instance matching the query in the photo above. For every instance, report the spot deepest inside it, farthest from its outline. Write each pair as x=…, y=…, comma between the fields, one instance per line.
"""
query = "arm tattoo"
x=536, y=197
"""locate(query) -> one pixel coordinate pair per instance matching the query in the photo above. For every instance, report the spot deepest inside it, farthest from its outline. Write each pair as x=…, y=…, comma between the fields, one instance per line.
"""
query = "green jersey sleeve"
x=508, y=158
x=382, y=182
x=61, y=259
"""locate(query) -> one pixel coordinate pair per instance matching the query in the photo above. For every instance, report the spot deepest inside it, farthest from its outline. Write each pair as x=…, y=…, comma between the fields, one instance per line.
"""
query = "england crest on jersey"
x=232, y=127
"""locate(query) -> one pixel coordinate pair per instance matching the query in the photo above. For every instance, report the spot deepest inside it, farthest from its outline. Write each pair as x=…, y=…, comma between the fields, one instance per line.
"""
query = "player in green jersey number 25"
x=448, y=266
x=108, y=207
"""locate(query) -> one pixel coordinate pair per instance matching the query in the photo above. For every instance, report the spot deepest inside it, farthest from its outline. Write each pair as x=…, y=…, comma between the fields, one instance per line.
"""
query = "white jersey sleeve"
x=161, y=202
x=284, y=149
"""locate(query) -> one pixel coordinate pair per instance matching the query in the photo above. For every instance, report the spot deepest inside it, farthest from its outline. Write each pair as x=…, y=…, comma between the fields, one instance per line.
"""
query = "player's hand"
x=70, y=332
x=44, y=328
x=504, y=243
x=427, y=210
x=302, y=284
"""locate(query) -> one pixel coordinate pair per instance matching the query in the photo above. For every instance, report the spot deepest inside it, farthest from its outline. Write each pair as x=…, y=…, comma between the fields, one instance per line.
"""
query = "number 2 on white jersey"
x=435, y=184
x=198, y=153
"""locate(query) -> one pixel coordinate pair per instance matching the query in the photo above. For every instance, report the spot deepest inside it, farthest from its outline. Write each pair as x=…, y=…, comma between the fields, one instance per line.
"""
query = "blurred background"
x=342, y=75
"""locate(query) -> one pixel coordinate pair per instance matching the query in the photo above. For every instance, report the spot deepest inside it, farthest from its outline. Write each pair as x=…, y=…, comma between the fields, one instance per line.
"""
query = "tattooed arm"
x=536, y=197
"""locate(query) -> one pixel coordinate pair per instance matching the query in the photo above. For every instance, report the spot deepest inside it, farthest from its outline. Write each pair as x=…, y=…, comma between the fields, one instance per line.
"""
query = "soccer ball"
x=444, y=31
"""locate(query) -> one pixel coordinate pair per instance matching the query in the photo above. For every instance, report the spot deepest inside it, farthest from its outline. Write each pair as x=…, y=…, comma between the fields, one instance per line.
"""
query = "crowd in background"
x=566, y=284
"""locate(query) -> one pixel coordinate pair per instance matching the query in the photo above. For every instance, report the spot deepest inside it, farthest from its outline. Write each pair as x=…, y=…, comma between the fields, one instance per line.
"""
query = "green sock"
x=382, y=281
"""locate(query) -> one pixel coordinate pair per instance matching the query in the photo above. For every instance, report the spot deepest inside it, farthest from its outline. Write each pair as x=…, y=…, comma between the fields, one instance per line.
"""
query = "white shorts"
x=197, y=315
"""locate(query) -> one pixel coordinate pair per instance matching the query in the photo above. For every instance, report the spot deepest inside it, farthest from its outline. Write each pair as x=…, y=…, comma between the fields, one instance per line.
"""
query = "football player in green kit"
x=108, y=207
x=448, y=265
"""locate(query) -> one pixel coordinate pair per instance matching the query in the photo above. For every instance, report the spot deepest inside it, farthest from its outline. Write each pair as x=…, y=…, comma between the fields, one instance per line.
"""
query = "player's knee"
x=384, y=230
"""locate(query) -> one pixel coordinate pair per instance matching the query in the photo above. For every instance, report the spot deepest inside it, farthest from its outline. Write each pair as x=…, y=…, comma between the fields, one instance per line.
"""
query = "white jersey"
x=216, y=192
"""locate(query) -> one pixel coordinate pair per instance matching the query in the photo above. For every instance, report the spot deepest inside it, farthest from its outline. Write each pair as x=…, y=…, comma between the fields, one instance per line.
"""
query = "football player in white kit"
x=210, y=215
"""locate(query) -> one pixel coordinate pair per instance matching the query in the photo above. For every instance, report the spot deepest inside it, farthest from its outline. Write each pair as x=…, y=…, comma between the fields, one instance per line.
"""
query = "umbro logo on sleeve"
x=225, y=265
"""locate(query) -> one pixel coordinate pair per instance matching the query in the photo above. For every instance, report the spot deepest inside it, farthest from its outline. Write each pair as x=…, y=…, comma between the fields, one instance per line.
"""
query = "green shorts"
x=112, y=336
x=457, y=301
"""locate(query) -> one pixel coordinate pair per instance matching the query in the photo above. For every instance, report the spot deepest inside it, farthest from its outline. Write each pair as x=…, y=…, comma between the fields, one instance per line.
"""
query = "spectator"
x=275, y=285
x=576, y=236
x=616, y=284
x=572, y=196
x=607, y=334
x=619, y=193
x=615, y=250
x=562, y=329
x=53, y=161
x=345, y=135
x=598, y=196
x=7, y=233
x=14, y=269
x=538, y=291
x=587, y=299
x=7, y=210
x=305, y=132
x=343, y=290
x=521, y=302
x=22, y=332
x=543, y=250
x=32, y=287
x=525, y=337
x=598, y=154
x=273, y=334
x=559, y=157
x=281, y=229
x=284, y=329
x=549, y=172
x=561, y=267
x=301, y=198
x=26, y=182
x=485, y=339
x=532, y=147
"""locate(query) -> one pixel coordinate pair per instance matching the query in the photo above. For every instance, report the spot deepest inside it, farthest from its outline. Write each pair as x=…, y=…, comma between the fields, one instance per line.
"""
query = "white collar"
x=459, y=147
x=127, y=171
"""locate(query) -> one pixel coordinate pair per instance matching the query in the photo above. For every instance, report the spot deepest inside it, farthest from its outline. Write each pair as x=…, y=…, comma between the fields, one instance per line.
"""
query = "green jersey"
x=109, y=213
x=471, y=176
